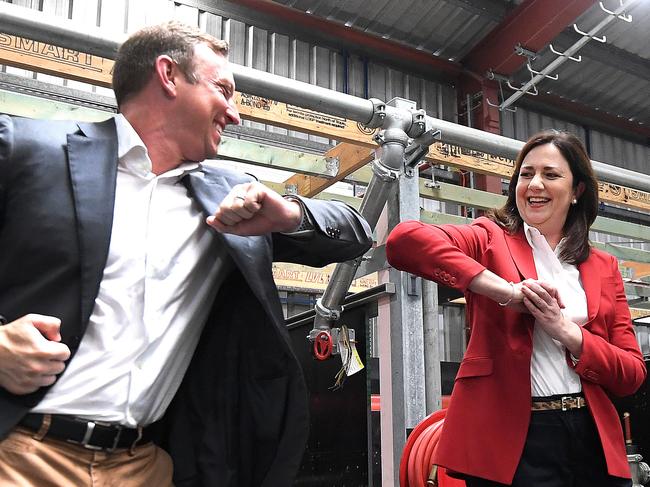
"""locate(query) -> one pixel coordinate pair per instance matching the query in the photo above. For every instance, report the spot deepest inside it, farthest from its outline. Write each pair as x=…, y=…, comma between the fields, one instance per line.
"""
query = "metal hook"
x=513, y=87
x=534, y=91
x=532, y=71
x=576, y=59
x=507, y=109
x=599, y=39
x=625, y=18
x=499, y=78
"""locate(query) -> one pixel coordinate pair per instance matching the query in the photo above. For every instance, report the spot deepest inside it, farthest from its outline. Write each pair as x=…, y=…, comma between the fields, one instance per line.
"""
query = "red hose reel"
x=416, y=468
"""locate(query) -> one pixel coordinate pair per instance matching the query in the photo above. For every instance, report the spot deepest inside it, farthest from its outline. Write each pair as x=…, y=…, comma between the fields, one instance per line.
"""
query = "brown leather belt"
x=564, y=403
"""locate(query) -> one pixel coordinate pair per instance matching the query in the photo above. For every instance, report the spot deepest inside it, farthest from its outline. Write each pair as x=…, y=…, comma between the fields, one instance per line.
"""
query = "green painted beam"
x=35, y=107
x=353, y=201
x=436, y=218
x=624, y=253
x=269, y=156
x=622, y=228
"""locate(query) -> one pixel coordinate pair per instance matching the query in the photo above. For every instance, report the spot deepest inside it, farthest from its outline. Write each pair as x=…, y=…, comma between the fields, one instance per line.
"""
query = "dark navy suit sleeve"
x=340, y=234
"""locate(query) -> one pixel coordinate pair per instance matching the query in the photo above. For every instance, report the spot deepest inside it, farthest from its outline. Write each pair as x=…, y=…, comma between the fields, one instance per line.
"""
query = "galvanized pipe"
x=344, y=272
x=31, y=23
x=498, y=145
x=279, y=88
x=386, y=172
x=22, y=21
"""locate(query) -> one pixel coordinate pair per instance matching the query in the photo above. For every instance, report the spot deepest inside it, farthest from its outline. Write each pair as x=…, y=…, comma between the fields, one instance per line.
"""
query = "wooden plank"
x=265, y=110
x=57, y=61
x=350, y=158
x=50, y=59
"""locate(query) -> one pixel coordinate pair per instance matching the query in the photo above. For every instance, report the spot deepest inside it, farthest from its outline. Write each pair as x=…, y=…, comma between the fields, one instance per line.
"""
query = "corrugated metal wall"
x=257, y=48
x=616, y=151
x=609, y=149
x=523, y=123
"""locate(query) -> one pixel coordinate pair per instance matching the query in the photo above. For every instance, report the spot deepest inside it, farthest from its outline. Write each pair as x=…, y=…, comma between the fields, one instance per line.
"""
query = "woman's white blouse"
x=550, y=373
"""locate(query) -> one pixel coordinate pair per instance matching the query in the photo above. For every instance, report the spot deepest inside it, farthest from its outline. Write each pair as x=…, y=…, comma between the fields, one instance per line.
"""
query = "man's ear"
x=166, y=72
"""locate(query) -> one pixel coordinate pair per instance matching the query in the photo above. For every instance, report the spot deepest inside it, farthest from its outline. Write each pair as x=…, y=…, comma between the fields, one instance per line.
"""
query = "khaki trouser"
x=26, y=462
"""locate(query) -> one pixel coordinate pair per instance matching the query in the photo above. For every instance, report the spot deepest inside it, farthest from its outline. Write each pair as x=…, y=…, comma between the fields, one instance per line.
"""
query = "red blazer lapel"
x=522, y=254
x=590, y=277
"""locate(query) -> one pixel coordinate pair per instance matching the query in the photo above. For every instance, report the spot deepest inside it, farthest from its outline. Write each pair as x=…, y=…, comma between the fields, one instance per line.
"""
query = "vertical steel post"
x=431, y=319
x=401, y=340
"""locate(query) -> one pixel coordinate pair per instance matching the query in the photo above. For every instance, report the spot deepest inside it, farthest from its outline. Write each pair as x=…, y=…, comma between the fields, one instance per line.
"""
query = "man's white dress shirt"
x=163, y=270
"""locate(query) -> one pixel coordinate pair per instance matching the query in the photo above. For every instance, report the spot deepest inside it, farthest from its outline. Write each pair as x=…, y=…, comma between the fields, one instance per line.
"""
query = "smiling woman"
x=545, y=191
x=553, y=188
x=551, y=335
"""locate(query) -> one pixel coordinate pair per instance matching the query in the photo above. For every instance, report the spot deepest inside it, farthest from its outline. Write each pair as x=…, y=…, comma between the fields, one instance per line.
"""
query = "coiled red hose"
x=416, y=463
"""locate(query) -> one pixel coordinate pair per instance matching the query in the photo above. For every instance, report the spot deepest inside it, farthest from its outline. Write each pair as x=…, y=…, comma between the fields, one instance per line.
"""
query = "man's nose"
x=232, y=114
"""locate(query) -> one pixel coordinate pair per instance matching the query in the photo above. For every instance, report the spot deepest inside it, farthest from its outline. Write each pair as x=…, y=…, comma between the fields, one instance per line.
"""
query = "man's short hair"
x=135, y=60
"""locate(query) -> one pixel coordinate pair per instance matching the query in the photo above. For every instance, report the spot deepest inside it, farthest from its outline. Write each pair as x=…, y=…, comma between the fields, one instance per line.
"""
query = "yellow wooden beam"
x=349, y=157
x=57, y=61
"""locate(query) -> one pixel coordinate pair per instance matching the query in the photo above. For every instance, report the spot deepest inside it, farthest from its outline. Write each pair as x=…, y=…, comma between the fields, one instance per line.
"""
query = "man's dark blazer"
x=240, y=417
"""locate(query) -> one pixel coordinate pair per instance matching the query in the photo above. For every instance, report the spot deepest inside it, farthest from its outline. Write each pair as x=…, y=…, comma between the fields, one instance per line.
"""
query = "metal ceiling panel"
x=633, y=37
x=447, y=29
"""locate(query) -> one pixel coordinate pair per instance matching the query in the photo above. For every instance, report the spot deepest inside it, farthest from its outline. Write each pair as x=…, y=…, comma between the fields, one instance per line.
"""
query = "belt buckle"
x=565, y=402
x=90, y=427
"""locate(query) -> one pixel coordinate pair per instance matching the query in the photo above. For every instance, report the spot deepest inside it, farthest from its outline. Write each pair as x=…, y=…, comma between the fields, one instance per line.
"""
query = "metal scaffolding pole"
x=22, y=21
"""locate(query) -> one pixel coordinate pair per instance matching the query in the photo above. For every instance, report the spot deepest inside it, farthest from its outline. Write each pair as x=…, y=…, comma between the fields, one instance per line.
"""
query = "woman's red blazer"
x=486, y=425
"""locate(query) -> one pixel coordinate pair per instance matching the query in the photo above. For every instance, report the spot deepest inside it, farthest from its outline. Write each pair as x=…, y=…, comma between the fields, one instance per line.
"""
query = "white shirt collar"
x=133, y=155
x=533, y=235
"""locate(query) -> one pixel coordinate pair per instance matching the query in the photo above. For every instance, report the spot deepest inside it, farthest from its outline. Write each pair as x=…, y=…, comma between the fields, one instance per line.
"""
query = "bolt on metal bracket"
x=419, y=147
x=332, y=166
x=383, y=172
x=327, y=313
x=378, y=114
x=522, y=51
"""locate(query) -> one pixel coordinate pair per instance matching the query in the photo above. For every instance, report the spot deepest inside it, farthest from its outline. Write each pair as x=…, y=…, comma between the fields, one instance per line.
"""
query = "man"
x=124, y=308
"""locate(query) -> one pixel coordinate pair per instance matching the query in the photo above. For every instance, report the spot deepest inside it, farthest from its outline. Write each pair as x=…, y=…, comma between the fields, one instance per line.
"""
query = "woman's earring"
x=574, y=201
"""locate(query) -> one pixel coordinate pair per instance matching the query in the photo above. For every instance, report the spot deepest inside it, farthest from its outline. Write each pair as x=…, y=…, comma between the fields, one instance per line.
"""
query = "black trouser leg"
x=562, y=450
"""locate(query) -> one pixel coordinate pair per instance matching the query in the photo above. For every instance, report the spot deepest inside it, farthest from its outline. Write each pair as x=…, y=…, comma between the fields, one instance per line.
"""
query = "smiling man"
x=143, y=336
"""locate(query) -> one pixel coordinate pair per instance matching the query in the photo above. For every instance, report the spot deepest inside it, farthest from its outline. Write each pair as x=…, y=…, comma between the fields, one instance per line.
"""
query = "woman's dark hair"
x=575, y=249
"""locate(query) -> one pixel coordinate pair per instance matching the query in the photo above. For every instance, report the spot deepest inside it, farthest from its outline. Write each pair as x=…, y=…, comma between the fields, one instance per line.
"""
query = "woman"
x=551, y=330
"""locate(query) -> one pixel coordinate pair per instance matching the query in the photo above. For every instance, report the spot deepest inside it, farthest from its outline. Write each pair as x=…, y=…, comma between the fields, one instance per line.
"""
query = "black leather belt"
x=93, y=435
